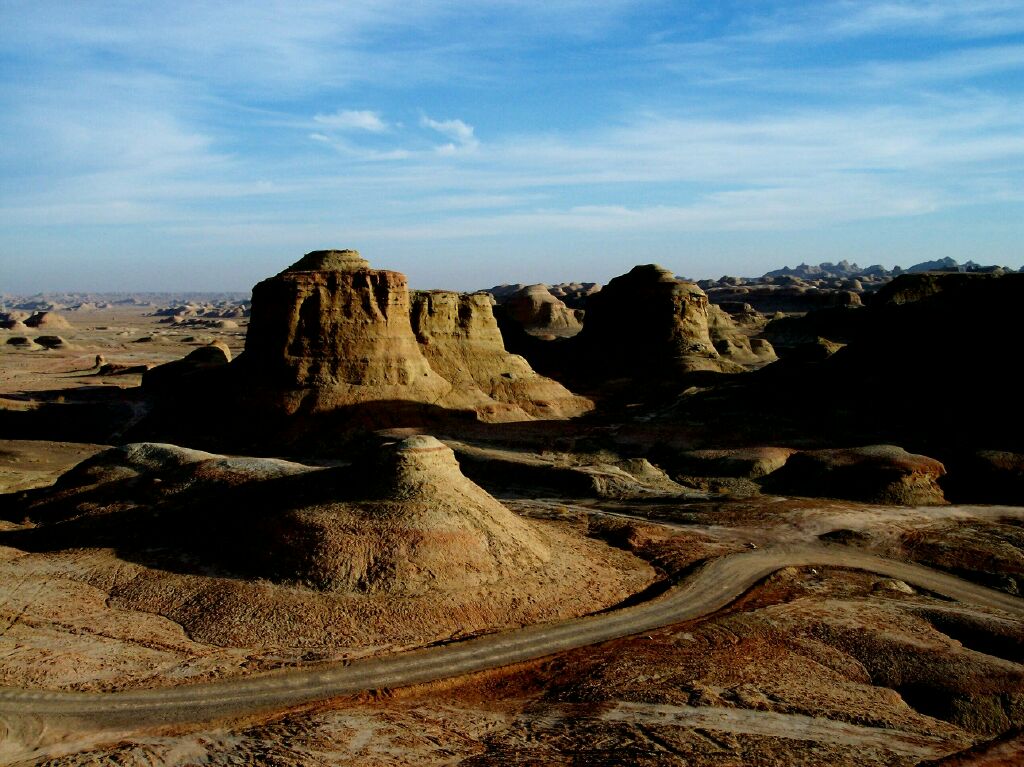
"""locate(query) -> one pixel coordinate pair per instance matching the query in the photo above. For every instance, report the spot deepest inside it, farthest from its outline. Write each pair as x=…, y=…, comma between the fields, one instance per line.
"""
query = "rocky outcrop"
x=53, y=342
x=330, y=331
x=909, y=288
x=873, y=474
x=48, y=320
x=733, y=343
x=460, y=339
x=536, y=309
x=330, y=335
x=14, y=321
x=415, y=525
x=398, y=549
x=648, y=322
x=742, y=462
x=178, y=373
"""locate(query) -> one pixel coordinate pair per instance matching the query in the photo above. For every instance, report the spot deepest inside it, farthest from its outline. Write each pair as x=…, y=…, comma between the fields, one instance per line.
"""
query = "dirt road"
x=710, y=589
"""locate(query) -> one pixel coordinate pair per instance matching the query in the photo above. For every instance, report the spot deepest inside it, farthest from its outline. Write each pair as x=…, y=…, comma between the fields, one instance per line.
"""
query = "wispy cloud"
x=461, y=135
x=353, y=119
x=843, y=19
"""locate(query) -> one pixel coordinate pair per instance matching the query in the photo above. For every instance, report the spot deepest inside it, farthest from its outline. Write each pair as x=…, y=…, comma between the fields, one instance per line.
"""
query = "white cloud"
x=461, y=134
x=351, y=119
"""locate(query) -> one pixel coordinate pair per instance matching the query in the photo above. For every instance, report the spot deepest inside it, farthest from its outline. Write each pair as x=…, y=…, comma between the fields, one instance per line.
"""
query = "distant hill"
x=846, y=270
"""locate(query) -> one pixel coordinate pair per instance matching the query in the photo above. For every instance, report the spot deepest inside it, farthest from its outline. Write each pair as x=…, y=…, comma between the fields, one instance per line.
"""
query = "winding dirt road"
x=712, y=588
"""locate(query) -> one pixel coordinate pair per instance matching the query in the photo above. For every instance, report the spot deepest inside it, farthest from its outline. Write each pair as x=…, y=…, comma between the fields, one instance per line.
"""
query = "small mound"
x=417, y=525
x=53, y=342
x=872, y=474
x=50, y=320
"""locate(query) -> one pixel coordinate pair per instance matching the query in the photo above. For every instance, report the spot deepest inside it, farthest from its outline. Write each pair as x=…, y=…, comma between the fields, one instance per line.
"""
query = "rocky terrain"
x=743, y=521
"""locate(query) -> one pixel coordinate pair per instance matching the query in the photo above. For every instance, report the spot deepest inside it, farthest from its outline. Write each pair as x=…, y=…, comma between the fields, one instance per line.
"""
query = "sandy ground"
x=123, y=336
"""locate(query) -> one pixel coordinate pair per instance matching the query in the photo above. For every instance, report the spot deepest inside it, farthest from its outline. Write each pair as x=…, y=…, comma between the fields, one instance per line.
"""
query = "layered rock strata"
x=461, y=341
x=330, y=331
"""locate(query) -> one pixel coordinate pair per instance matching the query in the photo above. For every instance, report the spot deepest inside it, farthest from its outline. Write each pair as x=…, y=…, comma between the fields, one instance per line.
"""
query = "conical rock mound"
x=418, y=525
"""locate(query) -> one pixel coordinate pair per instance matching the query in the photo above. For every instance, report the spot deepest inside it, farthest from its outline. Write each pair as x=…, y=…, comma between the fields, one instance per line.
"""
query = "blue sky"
x=199, y=145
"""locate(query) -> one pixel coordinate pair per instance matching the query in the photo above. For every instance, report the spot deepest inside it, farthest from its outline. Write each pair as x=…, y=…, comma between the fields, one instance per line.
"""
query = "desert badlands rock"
x=770, y=520
x=329, y=332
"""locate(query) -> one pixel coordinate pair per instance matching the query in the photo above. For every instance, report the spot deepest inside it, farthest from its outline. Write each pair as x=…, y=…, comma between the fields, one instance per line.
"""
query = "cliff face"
x=461, y=341
x=329, y=331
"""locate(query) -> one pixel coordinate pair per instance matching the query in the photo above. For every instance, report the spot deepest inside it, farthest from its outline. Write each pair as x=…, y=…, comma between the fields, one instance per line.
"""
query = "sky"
x=204, y=146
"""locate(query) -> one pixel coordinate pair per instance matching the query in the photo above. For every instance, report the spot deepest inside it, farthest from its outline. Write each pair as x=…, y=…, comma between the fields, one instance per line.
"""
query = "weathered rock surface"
x=745, y=462
x=498, y=469
x=538, y=310
x=873, y=474
x=733, y=343
x=329, y=331
x=417, y=525
x=397, y=549
x=460, y=339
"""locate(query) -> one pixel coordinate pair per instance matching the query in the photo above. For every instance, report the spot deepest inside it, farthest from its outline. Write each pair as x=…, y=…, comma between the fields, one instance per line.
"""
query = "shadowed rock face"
x=329, y=331
x=647, y=321
x=877, y=473
x=461, y=341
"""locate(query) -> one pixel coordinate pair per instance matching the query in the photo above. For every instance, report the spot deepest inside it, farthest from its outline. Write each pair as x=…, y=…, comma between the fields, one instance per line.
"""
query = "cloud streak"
x=352, y=119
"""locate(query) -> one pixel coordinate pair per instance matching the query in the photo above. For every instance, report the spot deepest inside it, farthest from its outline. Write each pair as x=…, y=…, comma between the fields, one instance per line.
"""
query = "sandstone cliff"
x=461, y=341
x=331, y=331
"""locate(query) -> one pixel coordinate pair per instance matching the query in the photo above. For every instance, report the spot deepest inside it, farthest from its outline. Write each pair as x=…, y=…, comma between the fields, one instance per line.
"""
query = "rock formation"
x=743, y=462
x=461, y=341
x=648, y=322
x=536, y=309
x=733, y=343
x=48, y=320
x=14, y=321
x=398, y=548
x=331, y=331
x=331, y=335
x=877, y=473
x=414, y=524
x=53, y=342
x=22, y=342
x=175, y=374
